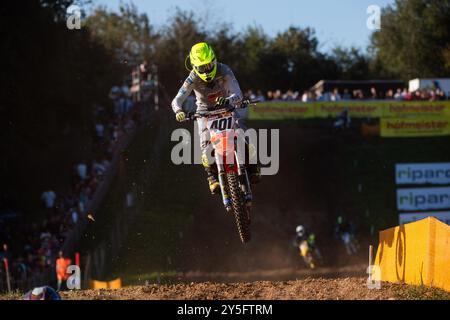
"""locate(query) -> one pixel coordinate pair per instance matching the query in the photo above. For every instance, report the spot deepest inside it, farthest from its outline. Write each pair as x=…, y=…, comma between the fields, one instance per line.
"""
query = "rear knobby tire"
x=240, y=212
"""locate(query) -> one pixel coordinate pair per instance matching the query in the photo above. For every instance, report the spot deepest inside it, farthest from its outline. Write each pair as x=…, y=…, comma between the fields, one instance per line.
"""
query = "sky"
x=337, y=22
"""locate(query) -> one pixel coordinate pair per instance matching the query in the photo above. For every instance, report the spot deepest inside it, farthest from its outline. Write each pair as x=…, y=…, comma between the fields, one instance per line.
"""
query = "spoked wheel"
x=240, y=210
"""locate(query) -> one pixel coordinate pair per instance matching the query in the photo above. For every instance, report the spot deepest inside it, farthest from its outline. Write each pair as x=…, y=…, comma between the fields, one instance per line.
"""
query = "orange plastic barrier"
x=114, y=284
x=416, y=253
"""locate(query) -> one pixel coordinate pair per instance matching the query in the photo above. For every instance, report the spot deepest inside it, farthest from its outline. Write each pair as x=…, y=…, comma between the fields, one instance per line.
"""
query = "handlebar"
x=229, y=108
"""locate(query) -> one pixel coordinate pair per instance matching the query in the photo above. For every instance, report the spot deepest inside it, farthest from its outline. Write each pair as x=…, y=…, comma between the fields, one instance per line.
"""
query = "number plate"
x=220, y=124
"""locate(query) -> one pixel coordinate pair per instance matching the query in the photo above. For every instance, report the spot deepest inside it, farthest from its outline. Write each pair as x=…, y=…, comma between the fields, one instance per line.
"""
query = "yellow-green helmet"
x=203, y=60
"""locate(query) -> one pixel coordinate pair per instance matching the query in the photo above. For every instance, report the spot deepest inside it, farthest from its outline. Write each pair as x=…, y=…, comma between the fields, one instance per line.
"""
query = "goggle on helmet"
x=203, y=61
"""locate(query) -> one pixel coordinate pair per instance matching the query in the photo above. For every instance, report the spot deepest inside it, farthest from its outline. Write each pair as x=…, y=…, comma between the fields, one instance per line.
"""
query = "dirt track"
x=279, y=274
x=342, y=283
x=317, y=289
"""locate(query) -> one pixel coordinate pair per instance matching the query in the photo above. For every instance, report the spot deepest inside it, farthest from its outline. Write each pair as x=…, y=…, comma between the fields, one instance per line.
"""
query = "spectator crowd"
x=37, y=244
x=399, y=94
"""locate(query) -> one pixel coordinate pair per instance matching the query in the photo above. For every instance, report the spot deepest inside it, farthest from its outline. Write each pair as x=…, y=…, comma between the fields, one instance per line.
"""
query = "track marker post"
x=8, y=280
x=373, y=283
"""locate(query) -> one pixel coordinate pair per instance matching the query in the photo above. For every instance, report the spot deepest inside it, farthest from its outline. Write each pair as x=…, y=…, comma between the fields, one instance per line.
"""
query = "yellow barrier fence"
x=416, y=253
x=114, y=284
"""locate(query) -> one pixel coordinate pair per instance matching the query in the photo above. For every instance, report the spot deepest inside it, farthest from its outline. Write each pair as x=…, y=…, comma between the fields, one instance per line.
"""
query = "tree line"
x=414, y=41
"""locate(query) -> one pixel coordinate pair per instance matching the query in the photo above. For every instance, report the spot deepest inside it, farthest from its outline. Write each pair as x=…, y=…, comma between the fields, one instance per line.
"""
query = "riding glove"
x=221, y=101
x=180, y=116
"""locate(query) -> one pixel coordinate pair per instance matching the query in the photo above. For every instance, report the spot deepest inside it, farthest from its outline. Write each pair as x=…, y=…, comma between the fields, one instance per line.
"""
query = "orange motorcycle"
x=232, y=172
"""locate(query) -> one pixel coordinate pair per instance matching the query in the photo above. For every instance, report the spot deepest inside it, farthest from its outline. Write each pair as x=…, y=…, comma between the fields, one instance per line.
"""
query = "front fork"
x=221, y=174
x=244, y=182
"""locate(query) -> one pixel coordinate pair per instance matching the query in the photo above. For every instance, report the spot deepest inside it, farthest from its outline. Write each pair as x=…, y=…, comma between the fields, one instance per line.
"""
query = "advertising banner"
x=414, y=109
x=422, y=173
x=414, y=127
x=423, y=199
x=356, y=110
x=279, y=110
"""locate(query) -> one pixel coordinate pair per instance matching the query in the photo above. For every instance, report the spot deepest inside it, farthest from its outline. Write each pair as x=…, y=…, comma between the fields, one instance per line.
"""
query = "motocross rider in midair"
x=214, y=85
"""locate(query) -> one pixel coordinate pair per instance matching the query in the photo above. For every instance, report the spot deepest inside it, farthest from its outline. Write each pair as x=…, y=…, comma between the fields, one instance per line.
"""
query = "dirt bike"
x=350, y=243
x=234, y=181
x=311, y=255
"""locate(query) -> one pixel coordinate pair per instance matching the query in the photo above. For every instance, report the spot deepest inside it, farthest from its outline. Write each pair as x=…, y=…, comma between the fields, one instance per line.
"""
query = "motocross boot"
x=255, y=173
x=214, y=185
x=254, y=170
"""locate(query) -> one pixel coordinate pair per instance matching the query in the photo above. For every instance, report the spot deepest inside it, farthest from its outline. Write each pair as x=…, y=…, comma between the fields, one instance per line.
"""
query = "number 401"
x=222, y=124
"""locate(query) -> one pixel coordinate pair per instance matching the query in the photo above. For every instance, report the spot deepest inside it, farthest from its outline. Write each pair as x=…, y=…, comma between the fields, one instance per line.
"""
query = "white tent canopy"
x=424, y=84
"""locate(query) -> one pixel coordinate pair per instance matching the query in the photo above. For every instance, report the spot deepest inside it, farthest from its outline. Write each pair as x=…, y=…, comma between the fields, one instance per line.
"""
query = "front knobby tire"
x=240, y=210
